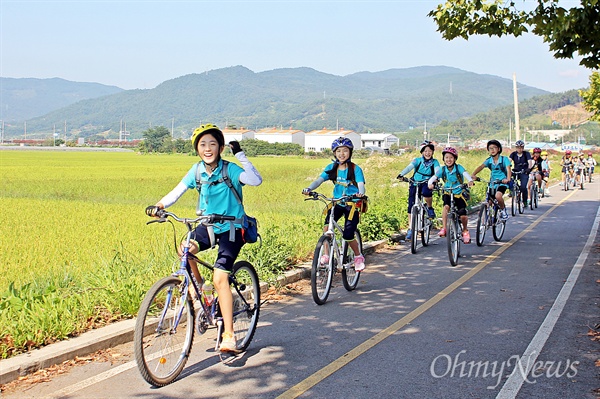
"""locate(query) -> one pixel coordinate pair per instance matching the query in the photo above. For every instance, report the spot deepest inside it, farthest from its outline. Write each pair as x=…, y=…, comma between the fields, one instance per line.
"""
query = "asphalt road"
x=511, y=320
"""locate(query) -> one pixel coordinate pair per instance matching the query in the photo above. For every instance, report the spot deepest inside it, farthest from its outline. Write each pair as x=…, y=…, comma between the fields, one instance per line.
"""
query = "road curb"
x=113, y=334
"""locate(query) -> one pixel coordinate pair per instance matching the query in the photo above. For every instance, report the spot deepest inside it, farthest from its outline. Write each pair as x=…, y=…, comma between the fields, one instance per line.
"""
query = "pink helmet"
x=450, y=150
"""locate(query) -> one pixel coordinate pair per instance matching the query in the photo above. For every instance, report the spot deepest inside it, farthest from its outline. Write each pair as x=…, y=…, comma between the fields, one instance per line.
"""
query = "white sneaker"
x=503, y=214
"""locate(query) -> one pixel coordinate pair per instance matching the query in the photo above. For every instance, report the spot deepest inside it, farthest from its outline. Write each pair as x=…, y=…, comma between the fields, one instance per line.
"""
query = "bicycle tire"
x=531, y=195
x=520, y=203
x=513, y=204
x=537, y=195
x=161, y=354
x=452, y=240
x=481, y=225
x=543, y=193
x=426, y=231
x=350, y=276
x=498, y=226
x=321, y=276
x=414, y=218
x=246, y=302
x=581, y=179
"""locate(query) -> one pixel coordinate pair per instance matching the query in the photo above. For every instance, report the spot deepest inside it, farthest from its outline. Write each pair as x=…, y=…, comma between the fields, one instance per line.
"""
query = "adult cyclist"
x=522, y=162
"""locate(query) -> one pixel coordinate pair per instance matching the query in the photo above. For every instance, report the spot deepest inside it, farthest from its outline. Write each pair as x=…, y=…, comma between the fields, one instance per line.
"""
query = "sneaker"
x=359, y=263
x=547, y=193
x=528, y=202
x=503, y=215
x=466, y=237
x=431, y=213
x=442, y=233
x=228, y=344
x=324, y=259
x=409, y=234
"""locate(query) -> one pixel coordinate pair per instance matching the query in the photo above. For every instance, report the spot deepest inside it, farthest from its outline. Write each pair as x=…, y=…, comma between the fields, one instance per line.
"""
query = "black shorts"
x=460, y=203
x=350, y=226
x=228, y=250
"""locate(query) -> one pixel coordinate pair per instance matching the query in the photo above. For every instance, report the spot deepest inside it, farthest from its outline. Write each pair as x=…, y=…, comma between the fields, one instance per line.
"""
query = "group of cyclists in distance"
x=577, y=168
x=348, y=182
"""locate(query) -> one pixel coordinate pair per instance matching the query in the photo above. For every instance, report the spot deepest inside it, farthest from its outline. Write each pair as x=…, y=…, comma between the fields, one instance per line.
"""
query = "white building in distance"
x=237, y=134
x=320, y=140
x=379, y=140
x=274, y=135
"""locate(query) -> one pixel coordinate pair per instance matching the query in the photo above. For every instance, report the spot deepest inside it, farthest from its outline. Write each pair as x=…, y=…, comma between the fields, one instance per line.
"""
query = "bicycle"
x=489, y=215
x=534, y=192
x=164, y=330
x=420, y=222
x=453, y=224
x=340, y=255
x=517, y=197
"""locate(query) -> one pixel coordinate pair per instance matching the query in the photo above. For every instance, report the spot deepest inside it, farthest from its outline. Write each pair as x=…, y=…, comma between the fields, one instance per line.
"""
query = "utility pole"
x=516, y=100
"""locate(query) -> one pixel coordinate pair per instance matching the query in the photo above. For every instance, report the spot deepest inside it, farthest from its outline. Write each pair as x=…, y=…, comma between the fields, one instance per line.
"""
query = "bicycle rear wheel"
x=322, y=274
x=349, y=275
x=415, y=226
x=481, y=225
x=498, y=226
x=161, y=348
x=452, y=239
x=245, y=288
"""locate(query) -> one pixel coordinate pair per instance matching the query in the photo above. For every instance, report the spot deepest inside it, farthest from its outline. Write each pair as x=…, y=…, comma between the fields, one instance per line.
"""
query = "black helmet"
x=496, y=143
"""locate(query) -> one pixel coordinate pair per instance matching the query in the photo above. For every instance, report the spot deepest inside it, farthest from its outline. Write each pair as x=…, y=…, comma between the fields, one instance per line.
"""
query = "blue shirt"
x=343, y=186
x=217, y=199
x=424, y=169
x=451, y=178
x=499, y=169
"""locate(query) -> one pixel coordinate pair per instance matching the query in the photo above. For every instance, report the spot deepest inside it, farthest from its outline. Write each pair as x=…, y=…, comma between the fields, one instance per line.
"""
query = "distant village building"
x=238, y=134
x=379, y=140
x=553, y=135
x=320, y=140
x=275, y=135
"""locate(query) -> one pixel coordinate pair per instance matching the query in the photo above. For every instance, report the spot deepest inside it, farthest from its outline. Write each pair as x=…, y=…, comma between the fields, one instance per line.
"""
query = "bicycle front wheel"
x=349, y=275
x=452, y=238
x=245, y=288
x=531, y=195
x=499, y=225
x=520, y=202
x=321, y=274
x=513, y=204
x=481, y=225
x=426, y=231
x=161, y=346
x=415, y=226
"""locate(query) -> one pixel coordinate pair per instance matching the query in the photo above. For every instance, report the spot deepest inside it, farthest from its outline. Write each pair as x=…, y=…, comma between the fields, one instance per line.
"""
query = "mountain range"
x=302, y=98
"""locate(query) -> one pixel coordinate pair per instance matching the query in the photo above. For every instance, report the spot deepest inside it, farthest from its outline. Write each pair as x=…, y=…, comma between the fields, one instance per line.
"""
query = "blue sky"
x=140, y=44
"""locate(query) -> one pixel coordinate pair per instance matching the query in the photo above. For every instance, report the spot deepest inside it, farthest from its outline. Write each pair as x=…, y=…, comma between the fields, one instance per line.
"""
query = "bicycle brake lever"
x=161, y=220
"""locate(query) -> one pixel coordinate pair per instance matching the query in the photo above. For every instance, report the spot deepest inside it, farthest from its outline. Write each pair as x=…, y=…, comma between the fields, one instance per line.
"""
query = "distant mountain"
x=391, y=101
x=27, y=98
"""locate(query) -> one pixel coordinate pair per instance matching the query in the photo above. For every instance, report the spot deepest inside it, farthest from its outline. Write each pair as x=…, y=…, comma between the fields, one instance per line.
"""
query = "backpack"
x=421, y=163
x=332, y=174
x=501, y=164
x=466, y=193
x=249, y=223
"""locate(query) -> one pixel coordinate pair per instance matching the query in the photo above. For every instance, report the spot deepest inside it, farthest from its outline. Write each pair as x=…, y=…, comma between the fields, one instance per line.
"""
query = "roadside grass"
x=77, y=254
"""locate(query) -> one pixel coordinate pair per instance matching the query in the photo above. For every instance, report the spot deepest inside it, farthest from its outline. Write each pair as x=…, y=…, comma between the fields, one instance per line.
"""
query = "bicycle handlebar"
x=479, y=179
x=410, y=180
x=163, y=215
x=314, y=196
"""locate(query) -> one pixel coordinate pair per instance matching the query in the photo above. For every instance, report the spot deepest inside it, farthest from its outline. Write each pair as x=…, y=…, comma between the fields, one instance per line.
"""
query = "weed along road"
x=511, y=320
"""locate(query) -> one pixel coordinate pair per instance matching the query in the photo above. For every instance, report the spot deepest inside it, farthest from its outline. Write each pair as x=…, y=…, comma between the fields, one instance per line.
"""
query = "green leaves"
x=568, y=31
x=591, y=96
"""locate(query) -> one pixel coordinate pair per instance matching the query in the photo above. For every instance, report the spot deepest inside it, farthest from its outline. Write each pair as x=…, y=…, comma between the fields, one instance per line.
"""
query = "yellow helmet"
x=207, y=128
x=544, y=153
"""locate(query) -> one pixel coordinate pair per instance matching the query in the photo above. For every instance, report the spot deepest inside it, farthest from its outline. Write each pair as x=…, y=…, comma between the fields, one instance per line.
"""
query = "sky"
x=140, y=44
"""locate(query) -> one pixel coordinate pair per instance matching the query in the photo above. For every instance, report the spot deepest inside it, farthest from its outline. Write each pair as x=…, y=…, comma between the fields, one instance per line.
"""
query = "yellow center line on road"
x=346, y=358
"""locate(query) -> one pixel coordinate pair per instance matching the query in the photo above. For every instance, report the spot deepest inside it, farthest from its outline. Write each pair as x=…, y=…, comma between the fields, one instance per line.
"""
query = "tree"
x=568, y=31
x=591, y=97
x=155, y=137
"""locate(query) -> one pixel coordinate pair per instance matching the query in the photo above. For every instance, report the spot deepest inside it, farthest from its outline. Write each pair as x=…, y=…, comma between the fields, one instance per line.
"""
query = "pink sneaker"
x=324, y=259
x=466, y=237
x=359, y=263
x=442, y=233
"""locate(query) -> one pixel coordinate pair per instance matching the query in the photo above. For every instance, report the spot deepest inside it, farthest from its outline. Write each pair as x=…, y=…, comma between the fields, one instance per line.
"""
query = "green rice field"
x=76, y=252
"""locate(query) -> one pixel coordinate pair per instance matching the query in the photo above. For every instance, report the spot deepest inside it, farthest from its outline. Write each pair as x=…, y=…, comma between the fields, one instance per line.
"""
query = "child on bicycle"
x=536, y=169
x=215, y=197
x=425, y=167
x=523, y=162
x=567, y=168
x=348, y=179
x=453, y=175
x=546, y=170
x=499, y=166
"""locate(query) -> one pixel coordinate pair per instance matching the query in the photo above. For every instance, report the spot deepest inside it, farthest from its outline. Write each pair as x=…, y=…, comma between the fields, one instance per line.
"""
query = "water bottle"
x=208, y=293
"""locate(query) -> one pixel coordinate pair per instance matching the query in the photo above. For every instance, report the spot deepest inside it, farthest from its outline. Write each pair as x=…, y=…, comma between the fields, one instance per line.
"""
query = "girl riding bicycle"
x=499, y=166
x=425, y=167
x=216, y=197
x=453, y=175
x=348, y=179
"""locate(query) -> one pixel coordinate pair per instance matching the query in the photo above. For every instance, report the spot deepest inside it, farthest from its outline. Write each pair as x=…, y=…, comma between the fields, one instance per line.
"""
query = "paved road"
x=511, y=320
